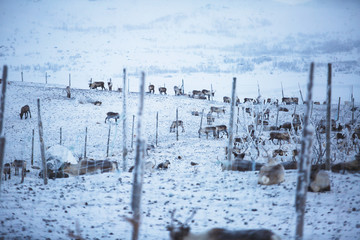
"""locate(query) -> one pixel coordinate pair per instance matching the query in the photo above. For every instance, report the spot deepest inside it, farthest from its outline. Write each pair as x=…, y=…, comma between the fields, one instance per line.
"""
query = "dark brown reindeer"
x=25, y=110
x=221, y=129
x=113, y=115
x=110, y=85
x=227, y=99
x=182, y=232
x=162, y=90
x=151, y=88
x=95, y=85
x=7, y=170
x=179, y=124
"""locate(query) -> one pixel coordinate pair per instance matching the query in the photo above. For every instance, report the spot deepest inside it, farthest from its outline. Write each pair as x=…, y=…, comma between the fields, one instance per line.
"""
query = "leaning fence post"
x=32, y=147
x=338, y=113
x=108, y=141
x=139, y=167
x=201, y=120
x=2, y=109
x=177, y=125
x=85, y=143
x=157, y=128
x=328, y=120
x=42, y=145
x=125, y=151
x=304, y=164
x=60, y=135
x=132, y=133
x=277, y=116
x=231, y=122
x=302, y=99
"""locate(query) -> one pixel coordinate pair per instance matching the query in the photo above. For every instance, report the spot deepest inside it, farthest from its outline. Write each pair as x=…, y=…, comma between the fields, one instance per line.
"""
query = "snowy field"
x=97, y=204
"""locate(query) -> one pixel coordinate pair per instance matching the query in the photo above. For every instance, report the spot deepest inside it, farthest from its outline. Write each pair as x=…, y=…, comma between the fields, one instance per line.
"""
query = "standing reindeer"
x=179, y=124
x=151, y=88
x=25, y=110
x=113, y=115
x=182, y=232
x=162, y=90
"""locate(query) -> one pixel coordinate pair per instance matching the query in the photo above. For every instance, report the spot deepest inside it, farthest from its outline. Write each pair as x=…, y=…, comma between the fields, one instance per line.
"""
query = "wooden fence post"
x=42, y=145
x=302, y=99
x=304, y=164
x=157, y=128
x=201, y=120
x=211, y=94
x=277, y=116
x=22, y=76
x=328, y=120
x=177, y=125
x=139, y=167
x=108, y=141
x=32, y=147
x=2, y=104
x=85, y=142
x=125, y=151
x=46, y=76
x=231, y=123
x=132, y=132
x=338, y=113
x=60, y=135
x=69, y=79
x=282, y=90
x=2, y=112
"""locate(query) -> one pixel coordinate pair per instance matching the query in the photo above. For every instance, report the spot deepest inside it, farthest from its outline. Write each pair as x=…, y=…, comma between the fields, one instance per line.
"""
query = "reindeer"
x=151, y=88
x=217, y=110
x=221, y=129
x=251, y=100
x=279, y=136
x=162, y=90
x=179, y=124
x=163, y=165
x=319, y=181
x=290, y=100
x=210, y=119
x=271, y=174
x=7, y=170
x=113, y=115
x=110, y=85
x=227, y=99
x=182, y=232
x=68, y=92
x=95, y=85
x=208, y=93
x=208, y=130
x=20, y=164
x=25, y=110
x=86, y=166
x=196, y=92
x=178, y=91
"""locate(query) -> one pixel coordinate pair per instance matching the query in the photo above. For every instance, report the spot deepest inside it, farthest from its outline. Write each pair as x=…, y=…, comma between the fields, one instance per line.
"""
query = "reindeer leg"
x=30, y=113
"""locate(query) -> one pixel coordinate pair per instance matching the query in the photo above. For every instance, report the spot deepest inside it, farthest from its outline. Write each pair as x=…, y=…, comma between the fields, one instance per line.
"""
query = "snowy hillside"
x=204, y=42
x=94, y=206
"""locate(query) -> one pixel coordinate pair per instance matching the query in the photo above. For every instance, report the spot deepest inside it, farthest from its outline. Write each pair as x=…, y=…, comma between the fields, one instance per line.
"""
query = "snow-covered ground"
x=97, y=204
